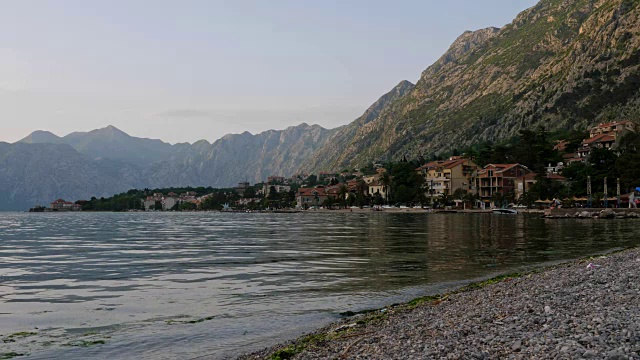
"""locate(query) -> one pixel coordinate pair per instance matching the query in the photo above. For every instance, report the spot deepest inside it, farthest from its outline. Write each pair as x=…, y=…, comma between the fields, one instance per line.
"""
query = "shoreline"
x=585, y=307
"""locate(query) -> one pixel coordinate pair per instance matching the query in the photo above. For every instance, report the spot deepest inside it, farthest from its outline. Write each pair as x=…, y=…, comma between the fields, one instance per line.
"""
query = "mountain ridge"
x=561, y=64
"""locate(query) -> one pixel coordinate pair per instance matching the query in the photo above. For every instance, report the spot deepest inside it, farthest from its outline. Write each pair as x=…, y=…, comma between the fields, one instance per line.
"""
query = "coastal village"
x=456, y=182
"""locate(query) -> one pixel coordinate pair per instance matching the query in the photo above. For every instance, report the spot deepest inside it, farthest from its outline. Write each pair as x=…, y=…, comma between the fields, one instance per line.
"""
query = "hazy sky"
x=186, y=70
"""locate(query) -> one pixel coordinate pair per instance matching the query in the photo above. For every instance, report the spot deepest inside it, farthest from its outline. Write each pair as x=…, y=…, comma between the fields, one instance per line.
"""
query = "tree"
x=628, y=163
x=497, y=199
x=312, y=180
x=188, y=206
x=534, y=150
x=250, y=192
x=342, y=194
x=377, y=199
x=385, y=180
x=406, y=183
x=577, y=174
x=329, y=202
x=445, y=199
x=603, y=165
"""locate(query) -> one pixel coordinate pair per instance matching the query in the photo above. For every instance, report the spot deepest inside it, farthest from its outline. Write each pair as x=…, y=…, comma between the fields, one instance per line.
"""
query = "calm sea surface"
x=199, y=285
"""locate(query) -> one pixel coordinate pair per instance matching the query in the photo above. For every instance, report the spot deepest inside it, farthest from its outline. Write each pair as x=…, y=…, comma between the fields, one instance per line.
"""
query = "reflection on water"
x=185, y=285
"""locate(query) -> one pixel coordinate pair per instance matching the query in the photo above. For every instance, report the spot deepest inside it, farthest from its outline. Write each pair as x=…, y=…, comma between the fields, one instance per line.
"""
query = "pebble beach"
x=588, y=308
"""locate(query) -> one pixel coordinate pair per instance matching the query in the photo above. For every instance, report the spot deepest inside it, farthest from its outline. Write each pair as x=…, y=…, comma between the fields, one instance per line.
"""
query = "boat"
x=504, y=211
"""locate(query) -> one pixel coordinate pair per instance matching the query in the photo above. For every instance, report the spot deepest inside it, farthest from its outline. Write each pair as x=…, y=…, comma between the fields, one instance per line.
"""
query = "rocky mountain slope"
x=108, y=143
x=44, y=167
x=239, y=157
x=33, y=174
x=563, y=64
x=331, y=156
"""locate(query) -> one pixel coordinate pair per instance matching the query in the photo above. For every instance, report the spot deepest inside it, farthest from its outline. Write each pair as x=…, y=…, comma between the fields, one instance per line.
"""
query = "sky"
x=187, y=70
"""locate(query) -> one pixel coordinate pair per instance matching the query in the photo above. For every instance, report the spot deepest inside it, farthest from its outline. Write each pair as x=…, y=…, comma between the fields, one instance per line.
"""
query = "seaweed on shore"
x=370, y=316
x=18, y=335
x=10, y=355
x=493, y=280
x=85, y=343
x=195, y=321
x=290, y=351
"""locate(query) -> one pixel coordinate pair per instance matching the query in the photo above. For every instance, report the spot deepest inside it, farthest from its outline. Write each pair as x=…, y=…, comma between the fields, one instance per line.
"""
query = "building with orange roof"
x=524, y=183
x=606, y=136
x=62, y=205
x=499, y=178
x=376, y=187
x=308, y=197
x=618, y=127
x=446, y=176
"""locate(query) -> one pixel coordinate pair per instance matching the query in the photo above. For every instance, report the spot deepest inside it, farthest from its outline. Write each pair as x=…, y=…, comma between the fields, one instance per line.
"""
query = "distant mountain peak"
x=41, y=136
x=404, y=83
x=110, y=131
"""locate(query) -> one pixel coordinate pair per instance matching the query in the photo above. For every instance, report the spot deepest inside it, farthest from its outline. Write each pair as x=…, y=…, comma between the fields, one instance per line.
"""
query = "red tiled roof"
x=531, y=176
x=453, y=163
x=446, y=164
x=310, y=191
x=599, y=138
x=500, y=168
x=560, y=145
x=333, y=191
x=504, y=166
x=612, y=124
x=430, y=165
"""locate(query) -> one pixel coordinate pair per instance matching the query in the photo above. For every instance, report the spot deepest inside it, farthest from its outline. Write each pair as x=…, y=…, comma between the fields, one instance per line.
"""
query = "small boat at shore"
x=504, y=211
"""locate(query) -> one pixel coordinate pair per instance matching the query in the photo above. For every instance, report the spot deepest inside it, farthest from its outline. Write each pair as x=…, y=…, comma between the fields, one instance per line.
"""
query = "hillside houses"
x=445, y=177
x=309, y=197
x=159, y=201
x=499, y=178
x=524, y=183
x=604, y=136
x=63, y=205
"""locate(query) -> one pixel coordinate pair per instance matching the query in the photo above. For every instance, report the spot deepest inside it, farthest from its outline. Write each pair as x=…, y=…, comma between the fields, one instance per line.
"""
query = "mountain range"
x=563, y=64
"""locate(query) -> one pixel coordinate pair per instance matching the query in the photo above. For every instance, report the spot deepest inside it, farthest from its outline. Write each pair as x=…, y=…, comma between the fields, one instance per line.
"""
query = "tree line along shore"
x=595, y=168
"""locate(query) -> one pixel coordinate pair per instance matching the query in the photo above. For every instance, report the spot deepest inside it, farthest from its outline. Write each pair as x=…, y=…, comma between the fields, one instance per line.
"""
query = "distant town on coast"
x=537, y=169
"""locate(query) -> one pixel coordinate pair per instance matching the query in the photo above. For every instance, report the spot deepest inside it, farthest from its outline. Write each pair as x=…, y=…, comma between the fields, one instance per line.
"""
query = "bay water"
x=216, y=285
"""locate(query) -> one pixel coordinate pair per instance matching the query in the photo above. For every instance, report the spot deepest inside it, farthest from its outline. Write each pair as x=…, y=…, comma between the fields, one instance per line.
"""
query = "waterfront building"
x=308, y=197
x=149, y=203
x=169, y=202
x=322, y=176
x=499, y=178
x=376, y=187
x=445, y=177
x=524, y=183
x=62, y=205
x=603, y=136
x=267, y=188
x=276, y=179
x=242, y=187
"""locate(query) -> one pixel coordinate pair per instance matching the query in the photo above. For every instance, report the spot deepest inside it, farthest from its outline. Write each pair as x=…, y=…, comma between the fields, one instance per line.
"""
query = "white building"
x=169, y=202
